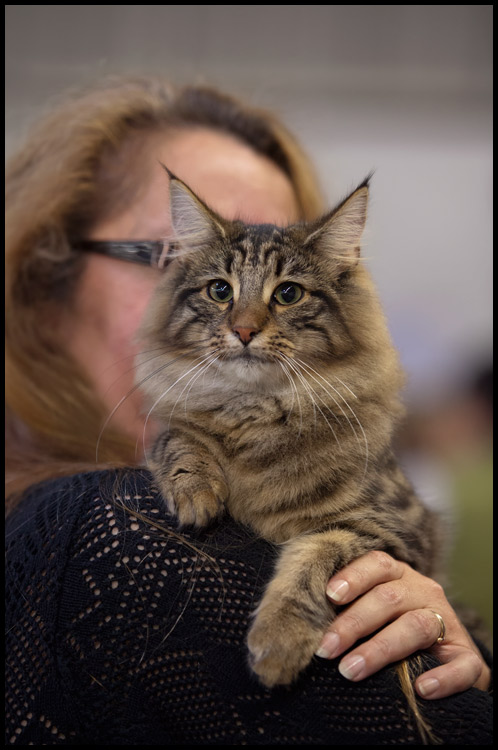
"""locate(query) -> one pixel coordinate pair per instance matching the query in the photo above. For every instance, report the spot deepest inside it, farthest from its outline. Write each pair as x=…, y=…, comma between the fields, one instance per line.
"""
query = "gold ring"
x=442, y=627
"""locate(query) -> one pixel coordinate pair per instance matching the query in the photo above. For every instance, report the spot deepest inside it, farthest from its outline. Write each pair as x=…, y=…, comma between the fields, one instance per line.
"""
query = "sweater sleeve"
x=125, y=631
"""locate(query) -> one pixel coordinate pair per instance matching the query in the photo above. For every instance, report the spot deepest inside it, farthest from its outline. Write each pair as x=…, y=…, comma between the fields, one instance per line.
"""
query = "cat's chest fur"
x=248, y=422
x=278, y=451
x=237, y=418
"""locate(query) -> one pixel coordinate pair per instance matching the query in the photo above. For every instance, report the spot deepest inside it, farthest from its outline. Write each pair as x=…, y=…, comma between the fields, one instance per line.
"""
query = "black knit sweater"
x=121, y=631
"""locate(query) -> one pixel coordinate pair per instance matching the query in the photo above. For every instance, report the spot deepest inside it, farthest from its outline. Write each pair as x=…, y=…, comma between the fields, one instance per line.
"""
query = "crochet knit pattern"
x=123, y=630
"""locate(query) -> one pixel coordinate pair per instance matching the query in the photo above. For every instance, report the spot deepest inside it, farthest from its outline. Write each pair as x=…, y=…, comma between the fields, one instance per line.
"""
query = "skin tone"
x=380, y=590
x=100, y=334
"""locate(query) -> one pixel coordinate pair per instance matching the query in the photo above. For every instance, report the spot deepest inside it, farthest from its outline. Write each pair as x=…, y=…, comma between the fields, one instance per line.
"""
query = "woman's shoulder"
x=109, y=593
x=106, y=521
x=119, y=506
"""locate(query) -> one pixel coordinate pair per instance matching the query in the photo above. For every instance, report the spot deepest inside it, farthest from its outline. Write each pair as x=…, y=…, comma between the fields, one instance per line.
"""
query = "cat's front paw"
x=281, y=644
x=195, y=500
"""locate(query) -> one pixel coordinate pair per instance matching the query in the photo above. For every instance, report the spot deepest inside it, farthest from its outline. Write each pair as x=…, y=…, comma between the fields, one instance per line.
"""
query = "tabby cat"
x=277, y=388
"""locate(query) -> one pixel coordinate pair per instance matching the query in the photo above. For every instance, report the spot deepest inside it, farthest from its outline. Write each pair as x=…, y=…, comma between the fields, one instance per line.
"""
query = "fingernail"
x=428, y=687
x=337, y=590
x=352, y=667
x=328, y=646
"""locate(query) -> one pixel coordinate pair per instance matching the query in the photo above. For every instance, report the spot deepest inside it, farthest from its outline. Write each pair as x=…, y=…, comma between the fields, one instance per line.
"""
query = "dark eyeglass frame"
x=145, y=252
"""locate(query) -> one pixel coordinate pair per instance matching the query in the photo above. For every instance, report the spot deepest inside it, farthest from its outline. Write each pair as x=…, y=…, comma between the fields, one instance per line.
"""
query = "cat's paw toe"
x=195, y=503
x=199, y=509
x=278, y=654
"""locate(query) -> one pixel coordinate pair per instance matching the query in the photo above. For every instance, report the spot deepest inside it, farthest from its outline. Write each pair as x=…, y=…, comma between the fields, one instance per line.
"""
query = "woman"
x=91, y=172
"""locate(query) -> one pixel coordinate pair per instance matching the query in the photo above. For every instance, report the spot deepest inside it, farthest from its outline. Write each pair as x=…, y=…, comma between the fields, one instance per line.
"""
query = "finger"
x=414, y=630
x=460, y=673
x=378, y=607
x=362, y=574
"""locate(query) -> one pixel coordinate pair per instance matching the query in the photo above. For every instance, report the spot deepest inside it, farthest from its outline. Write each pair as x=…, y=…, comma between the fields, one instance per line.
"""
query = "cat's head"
x=258, y=295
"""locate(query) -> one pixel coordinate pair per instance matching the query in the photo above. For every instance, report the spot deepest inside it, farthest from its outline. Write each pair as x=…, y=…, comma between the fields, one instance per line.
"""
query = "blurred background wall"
x=402, y=89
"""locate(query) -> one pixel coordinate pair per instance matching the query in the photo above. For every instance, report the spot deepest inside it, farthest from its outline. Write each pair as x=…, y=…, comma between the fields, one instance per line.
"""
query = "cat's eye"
x=288, y=293
x=220, y=291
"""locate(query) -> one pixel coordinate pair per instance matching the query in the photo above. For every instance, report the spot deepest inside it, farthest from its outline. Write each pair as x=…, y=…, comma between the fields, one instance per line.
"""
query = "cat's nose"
x=245, y=334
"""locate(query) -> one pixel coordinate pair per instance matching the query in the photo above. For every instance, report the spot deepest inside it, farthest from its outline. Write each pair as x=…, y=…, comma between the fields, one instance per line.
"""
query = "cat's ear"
x=194, y=223
x=338, y=233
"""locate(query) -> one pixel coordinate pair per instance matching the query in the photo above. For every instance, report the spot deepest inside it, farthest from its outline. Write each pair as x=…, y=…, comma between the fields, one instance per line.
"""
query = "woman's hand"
x=384, y=593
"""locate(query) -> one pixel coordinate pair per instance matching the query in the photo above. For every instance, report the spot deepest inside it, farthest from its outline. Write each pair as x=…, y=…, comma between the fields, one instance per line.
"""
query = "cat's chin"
x=251, y=370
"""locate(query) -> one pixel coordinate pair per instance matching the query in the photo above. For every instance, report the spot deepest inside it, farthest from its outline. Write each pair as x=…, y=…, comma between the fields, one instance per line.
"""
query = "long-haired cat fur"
x=277, y=387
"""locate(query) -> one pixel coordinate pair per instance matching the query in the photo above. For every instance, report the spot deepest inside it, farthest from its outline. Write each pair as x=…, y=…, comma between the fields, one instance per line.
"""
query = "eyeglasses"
x=154, y=254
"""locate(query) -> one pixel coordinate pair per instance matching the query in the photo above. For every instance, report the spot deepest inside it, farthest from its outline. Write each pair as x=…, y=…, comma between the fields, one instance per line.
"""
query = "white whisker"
x=310, y=390
x=345, y=386
x=195, y=367
x=159, y=349
x=201, y=373
x=191, y=382
x=130, y=392
x=342, y=410
x=308, y=368
x=294, y=390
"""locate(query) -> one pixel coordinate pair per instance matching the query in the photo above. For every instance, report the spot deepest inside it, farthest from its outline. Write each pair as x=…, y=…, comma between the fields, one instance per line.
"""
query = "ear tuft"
x=194, y=223
x=339, y=232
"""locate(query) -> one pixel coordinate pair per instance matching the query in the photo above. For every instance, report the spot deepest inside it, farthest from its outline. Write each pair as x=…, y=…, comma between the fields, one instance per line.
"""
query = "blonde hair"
x=64, y=180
